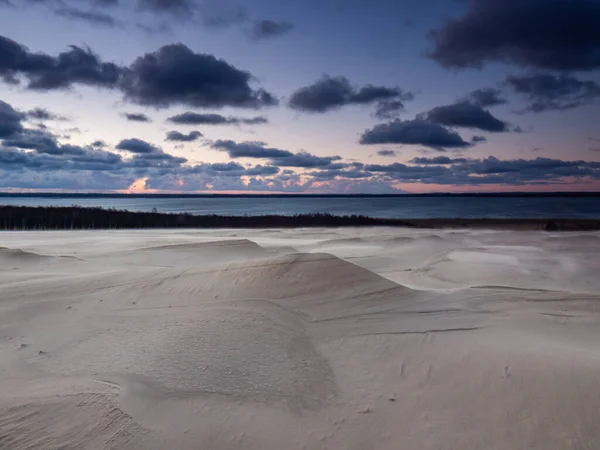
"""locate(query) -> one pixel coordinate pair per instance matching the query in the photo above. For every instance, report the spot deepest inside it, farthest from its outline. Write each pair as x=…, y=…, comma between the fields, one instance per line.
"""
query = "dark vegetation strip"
x=78, y=218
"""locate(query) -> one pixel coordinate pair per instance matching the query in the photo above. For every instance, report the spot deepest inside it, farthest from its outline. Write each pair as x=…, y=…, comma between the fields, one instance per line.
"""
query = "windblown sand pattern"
x=372, y=338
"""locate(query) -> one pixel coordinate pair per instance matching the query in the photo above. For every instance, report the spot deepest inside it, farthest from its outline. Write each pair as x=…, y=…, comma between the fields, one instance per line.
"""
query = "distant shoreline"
x=80, y=218
x=218, y=195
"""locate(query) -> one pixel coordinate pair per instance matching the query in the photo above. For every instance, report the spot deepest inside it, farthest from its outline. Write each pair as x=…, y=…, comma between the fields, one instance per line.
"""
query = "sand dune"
x=368, y=338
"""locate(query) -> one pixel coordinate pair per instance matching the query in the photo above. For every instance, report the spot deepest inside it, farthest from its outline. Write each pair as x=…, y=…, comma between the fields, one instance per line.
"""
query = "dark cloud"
x=190, y=118
x=156, y=159
x=304, y=159
x=388, y=109
x=478, y=139
x=250, y=150
x=386, y=153
x=261, y=171
x=73, y=161
x=41, y=141
x=486, y=97
x=546, y=34
x=98, y=144
x=438, y=160
x=466, y=115
x=330, y=174
x=324, y=95
x=491, y=170
x=33, y=159
x=545, y=92
x=49, y=155
x=266, y=29
x=91, y=17
x=227, y=167
x=181, y=137
x=10, y=120
x=329, y=93
x=44, y=72
x=43, y=114
x=137, y=117
x=402, y=172
x=134, y=145
x=259, y=120
x=414, y=132
x=174, y=74
x=278, y=157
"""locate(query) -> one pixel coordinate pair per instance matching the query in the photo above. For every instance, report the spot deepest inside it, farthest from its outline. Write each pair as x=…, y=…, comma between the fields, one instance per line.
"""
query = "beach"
x=300, y=338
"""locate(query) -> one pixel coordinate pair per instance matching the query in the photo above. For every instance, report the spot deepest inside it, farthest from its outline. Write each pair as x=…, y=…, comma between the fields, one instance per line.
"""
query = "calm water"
x=388, y=207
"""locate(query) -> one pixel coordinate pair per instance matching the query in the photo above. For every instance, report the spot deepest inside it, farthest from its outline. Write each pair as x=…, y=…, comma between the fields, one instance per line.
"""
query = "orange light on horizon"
x=139, y=186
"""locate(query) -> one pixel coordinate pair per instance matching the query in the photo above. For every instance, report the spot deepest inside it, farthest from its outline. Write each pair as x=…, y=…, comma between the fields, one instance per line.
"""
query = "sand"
x=372, y=338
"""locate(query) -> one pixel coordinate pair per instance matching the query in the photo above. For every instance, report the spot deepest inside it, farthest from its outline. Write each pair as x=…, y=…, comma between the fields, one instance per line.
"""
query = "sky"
x=299, y=96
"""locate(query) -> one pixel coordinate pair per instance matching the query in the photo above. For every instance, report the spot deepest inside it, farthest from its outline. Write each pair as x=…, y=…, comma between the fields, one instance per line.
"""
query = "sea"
x=398, y=207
